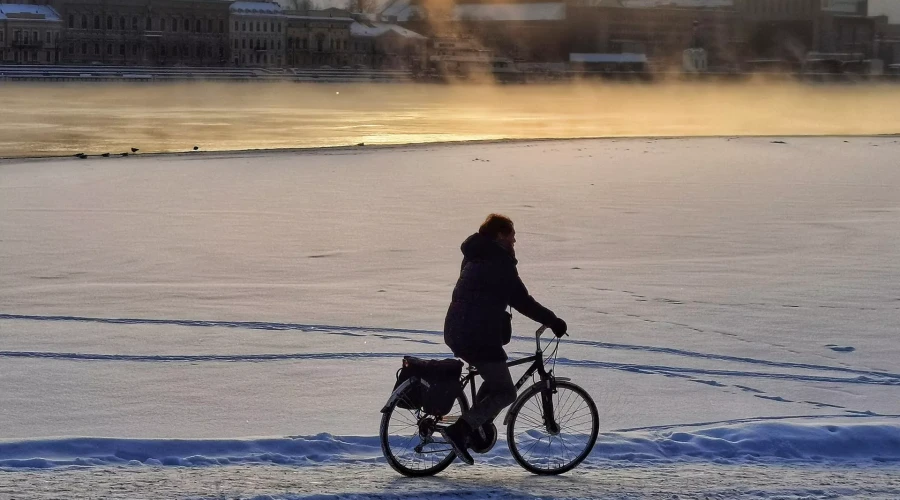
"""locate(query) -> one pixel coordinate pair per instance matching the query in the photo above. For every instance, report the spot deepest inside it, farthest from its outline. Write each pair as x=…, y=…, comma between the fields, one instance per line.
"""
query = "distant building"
x=318, y=38
x=660, y=30
x=457, y=57
x=791, y=29
x=388, y=45
x=29, y=34
x=144, y=32
x=258, y=34
x=549, y=31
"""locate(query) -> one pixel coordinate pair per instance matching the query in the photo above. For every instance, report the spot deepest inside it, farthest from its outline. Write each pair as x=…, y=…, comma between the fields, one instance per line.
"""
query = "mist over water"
x=63, y=119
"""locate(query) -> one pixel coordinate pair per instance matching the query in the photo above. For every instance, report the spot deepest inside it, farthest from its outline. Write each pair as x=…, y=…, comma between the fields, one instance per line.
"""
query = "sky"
x=891, y=8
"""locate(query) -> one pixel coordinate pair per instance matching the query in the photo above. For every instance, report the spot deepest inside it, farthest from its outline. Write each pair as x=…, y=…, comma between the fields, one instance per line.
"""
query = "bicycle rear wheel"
x=543, y=450
x=411, y=442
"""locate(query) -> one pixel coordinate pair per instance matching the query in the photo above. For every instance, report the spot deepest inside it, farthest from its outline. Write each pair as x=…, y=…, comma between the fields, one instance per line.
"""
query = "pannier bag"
x=437, y=387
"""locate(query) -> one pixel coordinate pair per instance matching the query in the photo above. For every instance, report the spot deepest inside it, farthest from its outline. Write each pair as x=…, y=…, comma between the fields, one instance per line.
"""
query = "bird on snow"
x=105, y=155
x=81, y=155
x=196, y=148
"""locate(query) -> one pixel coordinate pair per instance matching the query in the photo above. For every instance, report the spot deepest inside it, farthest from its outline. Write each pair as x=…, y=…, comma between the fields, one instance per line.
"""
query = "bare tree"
x=366, y=6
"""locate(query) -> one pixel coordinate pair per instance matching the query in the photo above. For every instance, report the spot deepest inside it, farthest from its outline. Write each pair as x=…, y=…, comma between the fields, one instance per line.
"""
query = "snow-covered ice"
x=201, y=323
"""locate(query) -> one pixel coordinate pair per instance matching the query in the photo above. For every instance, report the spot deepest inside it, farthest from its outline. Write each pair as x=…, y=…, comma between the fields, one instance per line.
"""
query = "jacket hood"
x=479, y=246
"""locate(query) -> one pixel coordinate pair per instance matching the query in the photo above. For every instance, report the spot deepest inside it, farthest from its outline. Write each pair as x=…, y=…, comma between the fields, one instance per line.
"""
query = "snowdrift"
x=750, y=442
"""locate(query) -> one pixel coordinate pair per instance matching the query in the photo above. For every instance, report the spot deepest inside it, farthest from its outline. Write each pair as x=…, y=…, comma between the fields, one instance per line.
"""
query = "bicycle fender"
x=527, y=393
x=397, y=392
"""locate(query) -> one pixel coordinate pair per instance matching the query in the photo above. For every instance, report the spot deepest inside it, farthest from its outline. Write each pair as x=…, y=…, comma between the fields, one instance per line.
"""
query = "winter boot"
x=457, y=436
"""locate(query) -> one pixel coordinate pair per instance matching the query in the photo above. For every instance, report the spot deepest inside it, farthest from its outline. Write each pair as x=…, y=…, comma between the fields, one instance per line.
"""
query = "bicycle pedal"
x=484, y=439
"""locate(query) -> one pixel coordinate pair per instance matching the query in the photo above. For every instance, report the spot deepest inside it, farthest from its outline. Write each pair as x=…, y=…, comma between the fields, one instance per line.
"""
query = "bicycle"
x=551, y=408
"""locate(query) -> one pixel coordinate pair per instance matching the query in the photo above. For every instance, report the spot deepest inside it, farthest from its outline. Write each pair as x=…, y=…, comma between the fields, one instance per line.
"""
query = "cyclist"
x=478, y=324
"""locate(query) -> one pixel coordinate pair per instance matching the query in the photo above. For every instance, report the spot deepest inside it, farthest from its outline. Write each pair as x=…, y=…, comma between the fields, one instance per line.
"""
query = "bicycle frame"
x=537, y=365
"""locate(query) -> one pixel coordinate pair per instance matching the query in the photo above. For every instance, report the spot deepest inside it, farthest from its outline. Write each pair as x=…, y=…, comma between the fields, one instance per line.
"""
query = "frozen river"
x=64, y=119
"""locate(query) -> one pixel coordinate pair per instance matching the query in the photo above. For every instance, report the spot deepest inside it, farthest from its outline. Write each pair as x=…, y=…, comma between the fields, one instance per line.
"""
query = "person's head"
x=500, y=229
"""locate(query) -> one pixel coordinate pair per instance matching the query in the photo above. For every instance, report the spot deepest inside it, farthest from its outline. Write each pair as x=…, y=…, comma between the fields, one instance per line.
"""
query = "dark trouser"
x=497, y=391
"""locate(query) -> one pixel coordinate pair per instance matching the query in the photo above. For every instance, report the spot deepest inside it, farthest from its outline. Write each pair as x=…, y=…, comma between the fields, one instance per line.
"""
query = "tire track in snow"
x=380, y=332
x=355, y=356
x=194, y=358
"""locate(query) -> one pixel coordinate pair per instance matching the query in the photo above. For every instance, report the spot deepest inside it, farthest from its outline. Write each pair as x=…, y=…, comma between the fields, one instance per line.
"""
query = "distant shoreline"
x=159, y=74
x=350, y=149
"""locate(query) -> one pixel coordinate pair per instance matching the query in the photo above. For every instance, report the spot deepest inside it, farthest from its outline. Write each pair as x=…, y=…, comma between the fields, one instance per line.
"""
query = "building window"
x=244, y=43
x=244, y=26
x=47, y=37
x=187, y=25
x=72, y=20
x=162, y=24
x=96, y=22
x=148, y=24
x=257, y=26
x=174, y=24
x=235, y=43
x=84, y=48
x=222, y=26
x=134, y=50
x=251, y=26
x=121, y=49
x=209, y=26
x=83, y=22
x=162, y=51
x=109, y=49
x=236, y=26
x=279, y=27
x=96, y=49
x=109, y=22
x=265, y=27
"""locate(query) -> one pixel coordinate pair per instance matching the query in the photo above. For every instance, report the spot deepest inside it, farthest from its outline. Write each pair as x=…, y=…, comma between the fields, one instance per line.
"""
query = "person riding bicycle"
x=478, y=325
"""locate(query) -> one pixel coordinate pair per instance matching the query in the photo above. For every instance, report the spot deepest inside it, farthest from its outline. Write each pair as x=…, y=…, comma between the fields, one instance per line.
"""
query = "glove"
x=559, y=327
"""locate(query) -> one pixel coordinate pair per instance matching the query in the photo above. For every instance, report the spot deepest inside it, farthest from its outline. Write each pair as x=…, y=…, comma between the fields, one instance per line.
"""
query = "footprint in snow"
x=708, y=382
x=840, y=348
x=773, y=398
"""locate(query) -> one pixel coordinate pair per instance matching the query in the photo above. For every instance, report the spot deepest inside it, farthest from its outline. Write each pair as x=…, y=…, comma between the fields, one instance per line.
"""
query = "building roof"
x=637, y=4
x=265, y=8
x=845, y=6
x=320, y=15
x=376, y=29
x=28, y=12
x=401, y=10
x=548, y=11
x=607, y=58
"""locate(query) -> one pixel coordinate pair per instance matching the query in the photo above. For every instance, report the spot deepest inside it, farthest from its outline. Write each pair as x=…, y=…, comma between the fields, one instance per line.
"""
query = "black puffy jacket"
x=477, y=324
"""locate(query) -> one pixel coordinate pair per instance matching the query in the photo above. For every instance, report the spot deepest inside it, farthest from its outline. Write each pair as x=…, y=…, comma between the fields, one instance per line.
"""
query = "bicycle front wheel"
x=410, y=439
x=558, y=444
